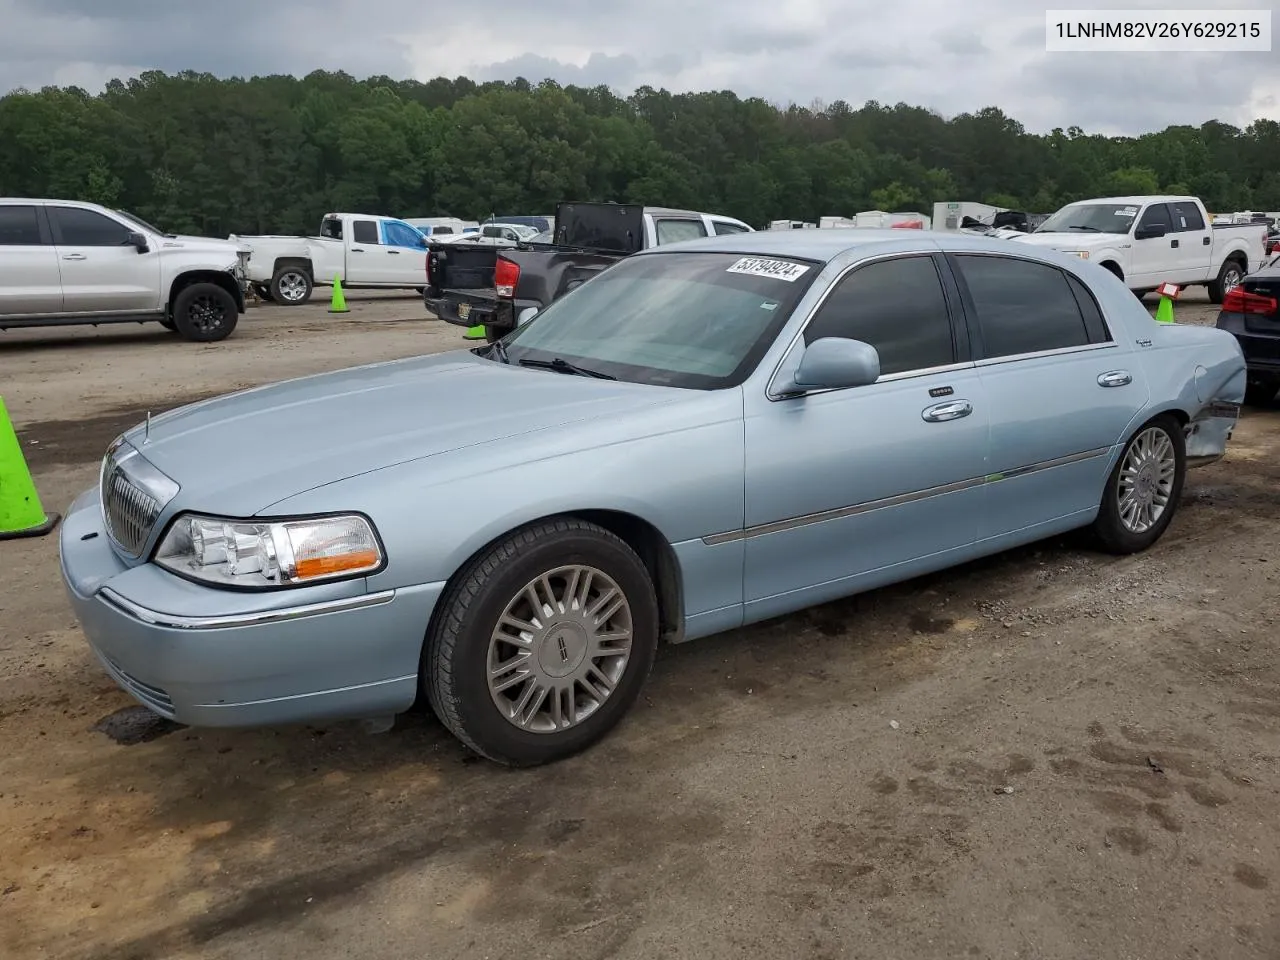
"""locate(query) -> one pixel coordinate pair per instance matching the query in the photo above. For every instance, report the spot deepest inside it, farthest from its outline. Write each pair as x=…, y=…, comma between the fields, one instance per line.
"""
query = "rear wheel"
x=291, y=286
x=1229, y=278
x=542, y=644
x=1261, y=391
x=1142, y=493
x=204, y=313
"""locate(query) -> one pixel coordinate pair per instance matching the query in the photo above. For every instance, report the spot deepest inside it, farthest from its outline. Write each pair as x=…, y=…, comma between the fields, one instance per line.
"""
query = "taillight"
x=1239, y=301
x=506, y=274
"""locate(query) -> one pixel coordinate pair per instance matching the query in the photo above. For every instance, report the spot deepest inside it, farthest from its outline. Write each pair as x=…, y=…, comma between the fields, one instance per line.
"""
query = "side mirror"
x=833, y=363
x=1150, y=231
x=138, y=241
x=527, y=314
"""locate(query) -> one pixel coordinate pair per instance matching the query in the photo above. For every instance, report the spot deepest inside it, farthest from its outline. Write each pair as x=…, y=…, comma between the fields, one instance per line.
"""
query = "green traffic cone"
x=338, y=303
x=1164, y=312
x=474, y=333
x=20, y=512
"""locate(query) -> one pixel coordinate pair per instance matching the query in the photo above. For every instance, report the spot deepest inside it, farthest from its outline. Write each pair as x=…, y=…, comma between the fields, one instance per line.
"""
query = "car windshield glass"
x=142, y=223
x=695, y=320
x=1091, y=218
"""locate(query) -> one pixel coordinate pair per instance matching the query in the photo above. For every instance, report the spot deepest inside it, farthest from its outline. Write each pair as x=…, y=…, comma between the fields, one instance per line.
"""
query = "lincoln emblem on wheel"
x=701, y=436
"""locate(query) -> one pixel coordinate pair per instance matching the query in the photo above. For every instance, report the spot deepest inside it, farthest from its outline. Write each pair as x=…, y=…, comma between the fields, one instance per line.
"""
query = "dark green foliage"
x=193, y=153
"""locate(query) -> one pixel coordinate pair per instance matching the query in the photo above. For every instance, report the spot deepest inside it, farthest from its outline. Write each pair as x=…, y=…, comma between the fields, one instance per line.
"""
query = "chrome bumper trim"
x=178, y=622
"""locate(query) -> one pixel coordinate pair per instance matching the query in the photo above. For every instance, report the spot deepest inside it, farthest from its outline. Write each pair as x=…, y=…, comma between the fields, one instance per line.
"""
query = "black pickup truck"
x=470, y=285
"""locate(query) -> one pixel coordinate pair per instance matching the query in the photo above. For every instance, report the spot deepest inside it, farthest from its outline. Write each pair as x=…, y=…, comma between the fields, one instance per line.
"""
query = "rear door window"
x=1023, y=307
x=19, y=226
x=724, y=226
x=365, y=231
x=672, y=230
x=1186, y=217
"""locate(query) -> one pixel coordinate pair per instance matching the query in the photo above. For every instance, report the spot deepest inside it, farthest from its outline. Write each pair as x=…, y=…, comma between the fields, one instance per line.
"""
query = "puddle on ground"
x=133, y=725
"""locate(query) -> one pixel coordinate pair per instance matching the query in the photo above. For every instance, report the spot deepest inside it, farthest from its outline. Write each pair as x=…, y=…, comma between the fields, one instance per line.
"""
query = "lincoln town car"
x=702, y=436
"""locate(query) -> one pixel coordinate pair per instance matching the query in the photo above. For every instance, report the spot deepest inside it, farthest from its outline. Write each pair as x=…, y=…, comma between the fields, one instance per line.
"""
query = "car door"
x=406, y=252
x=30, y=281
x=1153, y=260
x=843, y=483
x=367, y=259
x=102, y=272
x=1194, y=240
x=1062, y=390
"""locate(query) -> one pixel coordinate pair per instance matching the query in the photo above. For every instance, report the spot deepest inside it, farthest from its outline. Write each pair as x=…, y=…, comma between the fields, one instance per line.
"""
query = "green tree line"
x=195, y=153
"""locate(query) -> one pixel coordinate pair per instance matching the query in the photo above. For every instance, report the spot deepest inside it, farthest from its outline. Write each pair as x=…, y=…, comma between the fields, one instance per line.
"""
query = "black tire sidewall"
x=1218, y=288
x=481, y=723
x=275, y=286
x=182, y=307
x=1108, y=526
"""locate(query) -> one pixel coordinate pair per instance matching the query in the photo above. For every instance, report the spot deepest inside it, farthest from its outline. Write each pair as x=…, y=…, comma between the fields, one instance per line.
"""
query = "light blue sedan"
x=703, y=436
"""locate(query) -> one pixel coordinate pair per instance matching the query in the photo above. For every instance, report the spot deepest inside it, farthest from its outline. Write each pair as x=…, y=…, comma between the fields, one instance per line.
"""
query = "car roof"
x=1135, y=201
x=676, y=212
x=825, y=245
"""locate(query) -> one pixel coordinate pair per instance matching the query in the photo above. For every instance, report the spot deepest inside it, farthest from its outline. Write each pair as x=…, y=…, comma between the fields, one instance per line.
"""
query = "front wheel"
x=1142, y=493
x=1229, y=278
x=205, y=312
x=542, y=644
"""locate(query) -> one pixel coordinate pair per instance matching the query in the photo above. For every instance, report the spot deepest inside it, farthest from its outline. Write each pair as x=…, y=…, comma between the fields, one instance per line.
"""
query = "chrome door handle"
x=74, y=256
x=1115, y=378
x=951, y=410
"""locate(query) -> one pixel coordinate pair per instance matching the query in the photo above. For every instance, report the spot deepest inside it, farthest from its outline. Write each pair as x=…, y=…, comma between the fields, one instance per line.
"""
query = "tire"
x=1119, y=534
x=459, y=653
x=1229, y=276
x=291, y=286
x=205, y=313
x=1261, y=391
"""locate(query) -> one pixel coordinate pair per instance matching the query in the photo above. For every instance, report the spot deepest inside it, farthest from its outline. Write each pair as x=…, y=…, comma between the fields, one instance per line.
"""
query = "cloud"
x=952, y=57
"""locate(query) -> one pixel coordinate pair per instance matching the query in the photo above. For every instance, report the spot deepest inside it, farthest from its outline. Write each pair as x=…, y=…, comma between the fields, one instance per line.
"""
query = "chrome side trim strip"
x=1037, y=354
x=840, y=513
x=178, y=622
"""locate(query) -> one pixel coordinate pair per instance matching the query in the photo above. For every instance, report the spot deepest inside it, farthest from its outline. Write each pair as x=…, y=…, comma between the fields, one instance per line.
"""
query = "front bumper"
x=208, y=657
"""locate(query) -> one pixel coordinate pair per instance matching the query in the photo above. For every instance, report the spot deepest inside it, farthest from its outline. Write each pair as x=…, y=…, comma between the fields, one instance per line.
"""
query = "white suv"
x=64, y=262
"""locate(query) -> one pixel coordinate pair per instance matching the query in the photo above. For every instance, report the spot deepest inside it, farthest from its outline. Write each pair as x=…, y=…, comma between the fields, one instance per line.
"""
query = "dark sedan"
x=1251, y=312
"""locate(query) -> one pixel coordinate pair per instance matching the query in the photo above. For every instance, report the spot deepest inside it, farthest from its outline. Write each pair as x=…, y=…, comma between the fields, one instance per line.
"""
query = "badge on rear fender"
x=764, y=267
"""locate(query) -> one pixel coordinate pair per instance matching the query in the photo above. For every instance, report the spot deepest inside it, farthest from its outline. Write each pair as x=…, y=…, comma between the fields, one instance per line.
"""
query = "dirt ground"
x=832, y=784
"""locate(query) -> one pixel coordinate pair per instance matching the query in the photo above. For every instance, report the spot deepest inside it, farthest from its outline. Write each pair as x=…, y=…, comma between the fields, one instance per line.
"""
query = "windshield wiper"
x=1078, y=227
x=561, y=365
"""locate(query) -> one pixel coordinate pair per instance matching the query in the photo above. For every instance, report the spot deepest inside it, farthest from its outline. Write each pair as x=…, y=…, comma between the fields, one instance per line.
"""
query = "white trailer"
x=948, y=215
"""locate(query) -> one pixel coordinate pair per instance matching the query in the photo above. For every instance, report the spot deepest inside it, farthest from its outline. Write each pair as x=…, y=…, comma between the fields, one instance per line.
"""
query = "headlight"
x=236, y=553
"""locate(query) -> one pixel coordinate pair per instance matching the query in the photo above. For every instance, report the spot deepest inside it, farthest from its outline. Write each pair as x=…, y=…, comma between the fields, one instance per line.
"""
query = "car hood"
x=1073, y=240
x=241, y=453
x=205, y=245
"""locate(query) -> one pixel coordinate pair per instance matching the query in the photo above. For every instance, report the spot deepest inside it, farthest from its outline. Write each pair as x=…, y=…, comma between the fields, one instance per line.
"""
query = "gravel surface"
x=1048, y=754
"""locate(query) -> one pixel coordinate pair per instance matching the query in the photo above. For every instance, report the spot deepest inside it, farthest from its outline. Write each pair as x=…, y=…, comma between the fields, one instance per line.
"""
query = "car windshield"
x=695, y=320
x=1091, y=218
x=142, y=223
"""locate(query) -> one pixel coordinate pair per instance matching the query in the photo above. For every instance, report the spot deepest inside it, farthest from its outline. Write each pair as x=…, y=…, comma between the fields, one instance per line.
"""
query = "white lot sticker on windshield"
x=763, y=267
x=1127, y=212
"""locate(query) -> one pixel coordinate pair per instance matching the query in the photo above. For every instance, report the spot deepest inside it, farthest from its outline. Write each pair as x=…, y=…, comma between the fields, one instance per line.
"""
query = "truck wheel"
x=1229, y=277
x=204, y=313
x=291, y=286
x=542, y=643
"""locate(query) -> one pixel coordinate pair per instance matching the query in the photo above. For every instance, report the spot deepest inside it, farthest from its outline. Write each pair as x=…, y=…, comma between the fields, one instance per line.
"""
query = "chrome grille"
x=130, y=511
x=134, y=493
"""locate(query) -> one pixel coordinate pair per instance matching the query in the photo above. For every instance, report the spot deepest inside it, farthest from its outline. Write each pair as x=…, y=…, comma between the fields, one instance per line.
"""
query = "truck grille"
x=133, y=495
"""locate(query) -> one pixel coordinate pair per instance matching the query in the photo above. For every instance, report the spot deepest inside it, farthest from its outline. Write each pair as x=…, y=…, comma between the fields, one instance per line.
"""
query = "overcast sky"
x=950, y=55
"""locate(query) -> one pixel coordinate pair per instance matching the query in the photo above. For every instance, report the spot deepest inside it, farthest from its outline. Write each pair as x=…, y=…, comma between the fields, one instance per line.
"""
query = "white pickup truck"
x=361, y=250
x=1147, y=241
x=63, y=262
